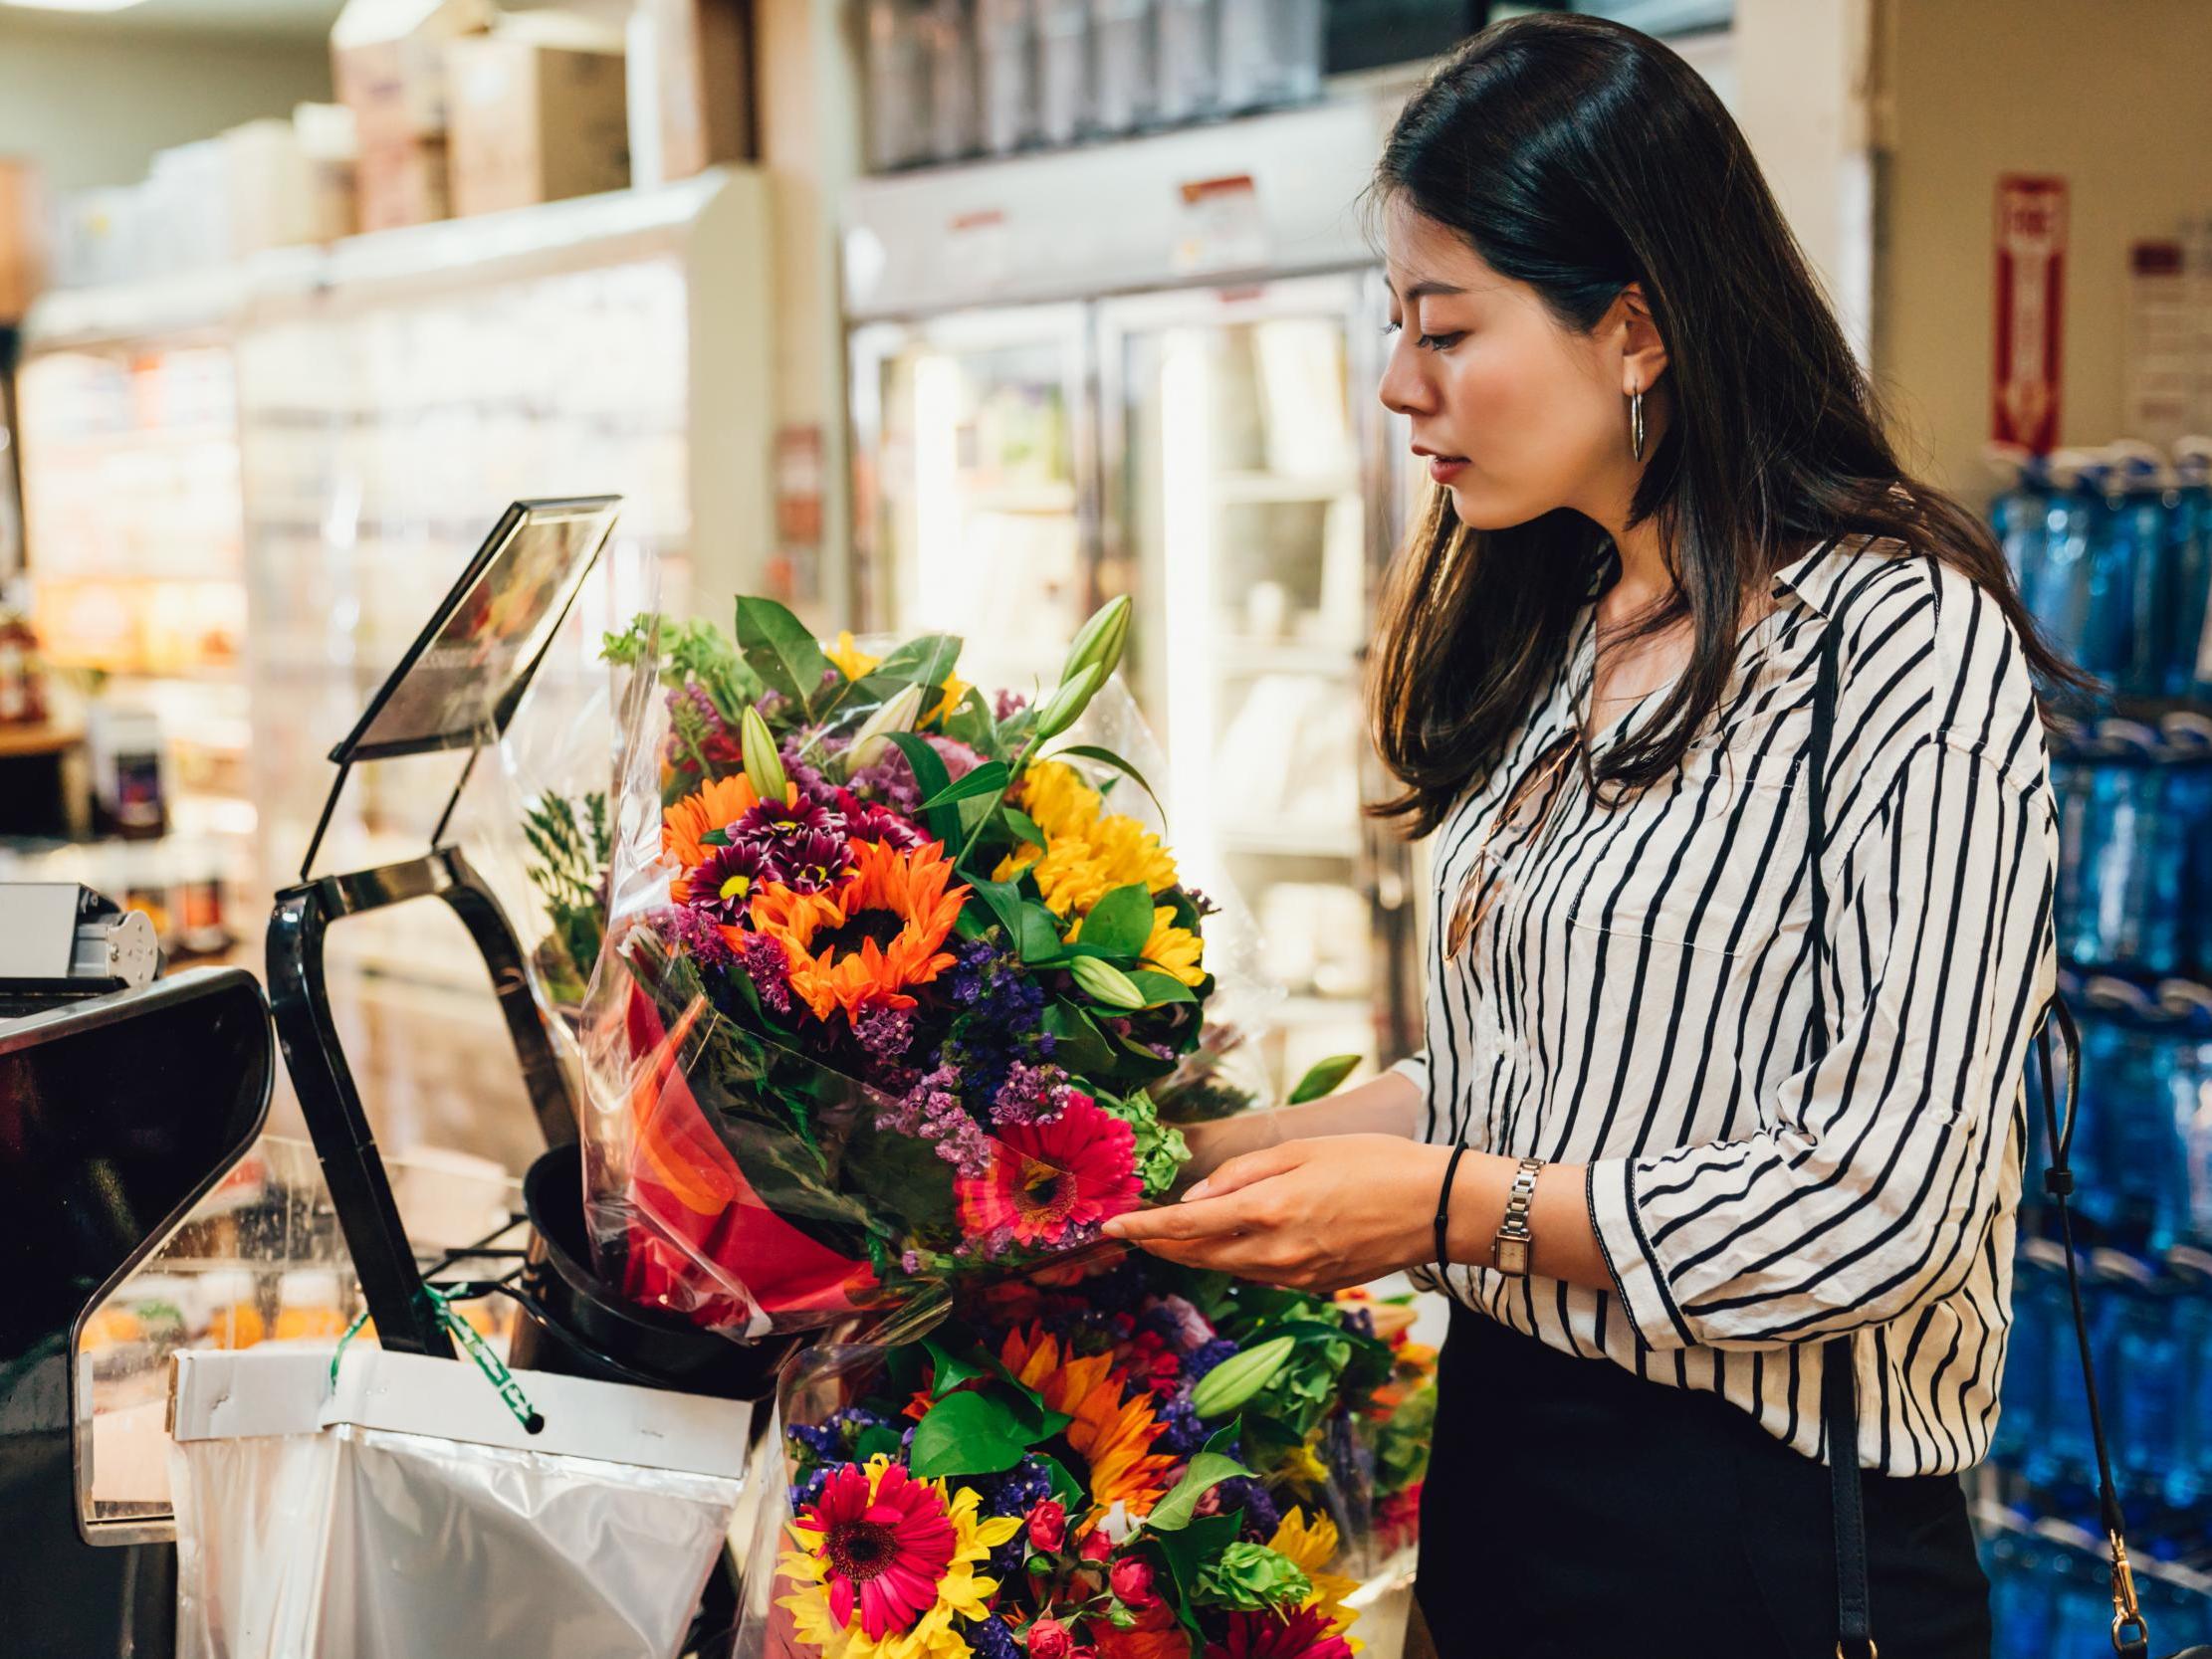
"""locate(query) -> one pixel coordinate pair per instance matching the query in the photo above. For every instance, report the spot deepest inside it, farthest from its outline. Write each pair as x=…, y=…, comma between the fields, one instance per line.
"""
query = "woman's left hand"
x=1315, y=1215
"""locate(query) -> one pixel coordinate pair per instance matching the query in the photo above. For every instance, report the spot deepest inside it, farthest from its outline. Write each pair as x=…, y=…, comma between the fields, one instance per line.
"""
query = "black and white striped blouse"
x=1638, y=1000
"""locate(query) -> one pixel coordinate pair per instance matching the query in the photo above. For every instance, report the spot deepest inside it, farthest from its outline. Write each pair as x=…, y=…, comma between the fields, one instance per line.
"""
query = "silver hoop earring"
x=1636, y=423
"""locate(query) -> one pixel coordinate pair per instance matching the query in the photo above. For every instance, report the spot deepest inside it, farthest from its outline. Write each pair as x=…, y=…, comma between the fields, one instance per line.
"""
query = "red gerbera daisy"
x=1304, y=1634
x=1049, y=1180
x=883, y=1549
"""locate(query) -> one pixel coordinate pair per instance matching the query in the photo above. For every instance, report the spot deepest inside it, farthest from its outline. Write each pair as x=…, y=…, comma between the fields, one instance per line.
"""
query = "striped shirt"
x=1639, y=998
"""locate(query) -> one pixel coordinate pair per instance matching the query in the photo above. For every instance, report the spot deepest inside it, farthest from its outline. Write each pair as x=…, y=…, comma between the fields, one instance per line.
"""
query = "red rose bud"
x=1048, y=1525
x=1049, y=1639
x=1130, y=1578
x=1097, y=1547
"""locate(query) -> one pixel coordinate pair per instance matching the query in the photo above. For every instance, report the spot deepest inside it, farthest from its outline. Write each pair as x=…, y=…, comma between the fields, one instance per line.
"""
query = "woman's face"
x=1514, y=413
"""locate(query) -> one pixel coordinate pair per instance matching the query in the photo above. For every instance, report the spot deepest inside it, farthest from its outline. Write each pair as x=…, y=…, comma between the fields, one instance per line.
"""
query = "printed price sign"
x=2031, y=268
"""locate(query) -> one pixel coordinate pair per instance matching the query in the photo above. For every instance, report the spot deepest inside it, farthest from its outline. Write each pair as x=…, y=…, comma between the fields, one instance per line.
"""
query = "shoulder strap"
x=1839, y=1391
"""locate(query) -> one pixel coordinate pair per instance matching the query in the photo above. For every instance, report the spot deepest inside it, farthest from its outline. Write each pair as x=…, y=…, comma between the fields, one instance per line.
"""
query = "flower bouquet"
x=1145, y=1463
x=886, y=978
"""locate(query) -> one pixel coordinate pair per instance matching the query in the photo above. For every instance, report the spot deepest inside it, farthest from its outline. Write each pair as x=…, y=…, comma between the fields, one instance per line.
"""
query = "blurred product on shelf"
x=23, y=239
x=292, y=181
x=130, y=798
x=2050, y=1582
x=2113, y=551
x=538, y=111
x=2135, y=881
x=389, y=63
x=22, y=674
x=953, y=79
x=689, y=65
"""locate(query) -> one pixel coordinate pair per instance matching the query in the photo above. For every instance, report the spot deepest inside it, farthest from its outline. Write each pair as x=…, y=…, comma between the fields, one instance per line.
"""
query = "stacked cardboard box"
x=539, y=113
x=22, y=240
x=389, y=59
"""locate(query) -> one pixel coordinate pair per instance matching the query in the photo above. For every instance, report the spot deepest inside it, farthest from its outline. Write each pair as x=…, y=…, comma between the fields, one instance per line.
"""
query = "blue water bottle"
x=2060, y=1453
x=2136, y=529
x=2188, y=670
x=2071, y=507
x=2018, y=514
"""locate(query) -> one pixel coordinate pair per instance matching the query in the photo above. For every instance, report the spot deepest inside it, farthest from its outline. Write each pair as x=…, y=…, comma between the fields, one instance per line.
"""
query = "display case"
x=313, y=442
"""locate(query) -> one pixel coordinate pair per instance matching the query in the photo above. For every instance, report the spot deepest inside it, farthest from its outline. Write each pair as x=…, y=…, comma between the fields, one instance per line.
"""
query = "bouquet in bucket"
x=887, y=976
x=1145, y=1463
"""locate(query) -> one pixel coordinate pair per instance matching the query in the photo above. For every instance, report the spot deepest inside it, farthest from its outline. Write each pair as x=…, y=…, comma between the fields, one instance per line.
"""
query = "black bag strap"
x=1839, y=1393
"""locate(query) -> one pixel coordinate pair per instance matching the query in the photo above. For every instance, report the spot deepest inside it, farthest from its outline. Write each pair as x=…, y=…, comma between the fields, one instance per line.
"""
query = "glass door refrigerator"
x=976, y=508
x=1249, y=507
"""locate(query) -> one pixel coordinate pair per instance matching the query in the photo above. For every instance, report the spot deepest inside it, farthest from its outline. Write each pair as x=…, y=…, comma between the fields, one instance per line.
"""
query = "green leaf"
x=1323, y=1077
x=989, y=778
x=1037, y=937
x=977, y=1431
x=1025, y=826
x=931, y=777
x=781, y=650
x=949, y=1370
x=1160, y=988
x=1188, y=1550
x=1065, y=1486
x=1080, y=1046
x=972, y=724
x=1005, y=900
x=1107, y=757
x=876, y=1440
x=1207, y=1470
x=925, y=660
x=1121, y=922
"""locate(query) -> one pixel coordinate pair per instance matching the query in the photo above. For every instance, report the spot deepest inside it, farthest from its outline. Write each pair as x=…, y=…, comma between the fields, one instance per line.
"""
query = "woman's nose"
x=1406, y=389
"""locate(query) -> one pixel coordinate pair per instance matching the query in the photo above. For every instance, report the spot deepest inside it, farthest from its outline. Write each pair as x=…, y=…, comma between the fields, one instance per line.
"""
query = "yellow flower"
x=1174, y=951
x=1055, y=795
x=851, y=661
x=955, y=689
x=961, y=1591
x=1313, y=1548
x=1131, y=853
x=1303, y=1467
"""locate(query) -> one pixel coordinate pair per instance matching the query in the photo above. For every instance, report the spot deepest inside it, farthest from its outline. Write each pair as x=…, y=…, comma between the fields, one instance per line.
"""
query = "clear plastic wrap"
x=848, y=1045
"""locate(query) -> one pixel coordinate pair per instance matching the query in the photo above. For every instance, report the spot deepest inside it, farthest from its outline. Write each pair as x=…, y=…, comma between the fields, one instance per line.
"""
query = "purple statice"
x=819, y=1439
x=1007, y=705
x=885, y=1032
x=990, y=1638
x=770, y=968
x=693, y=932
x=1018, y=1490
x=852, y=1421
x=1184, y=1434
x=1201, y=902
x=1262, y=1513
x=808, y=1487
x=769, y=702
x=970, y=962
x=910, y=1263
x=889, y=780
x=933, y=1111
x=1030, y=1095
x=697, y=730
x=1205, y=1357
x=812, y=784
x=723, y=884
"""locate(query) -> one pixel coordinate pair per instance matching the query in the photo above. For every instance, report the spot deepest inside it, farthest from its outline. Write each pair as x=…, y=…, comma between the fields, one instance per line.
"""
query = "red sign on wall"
x=2030, y=300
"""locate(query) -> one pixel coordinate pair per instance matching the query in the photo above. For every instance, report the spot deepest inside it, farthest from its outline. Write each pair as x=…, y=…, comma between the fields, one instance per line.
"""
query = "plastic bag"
x=848, y=1043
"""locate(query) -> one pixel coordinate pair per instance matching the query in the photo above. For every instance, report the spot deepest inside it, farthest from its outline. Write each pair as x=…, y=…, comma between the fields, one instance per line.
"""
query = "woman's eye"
x=1392, y=325
x=1442, y=342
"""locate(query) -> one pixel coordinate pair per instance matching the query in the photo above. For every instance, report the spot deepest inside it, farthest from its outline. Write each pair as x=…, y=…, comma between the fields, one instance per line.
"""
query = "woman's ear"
x=1642, y=352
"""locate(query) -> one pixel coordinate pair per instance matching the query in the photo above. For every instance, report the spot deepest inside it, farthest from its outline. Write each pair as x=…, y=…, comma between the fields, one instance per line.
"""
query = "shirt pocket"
x=1710, y=861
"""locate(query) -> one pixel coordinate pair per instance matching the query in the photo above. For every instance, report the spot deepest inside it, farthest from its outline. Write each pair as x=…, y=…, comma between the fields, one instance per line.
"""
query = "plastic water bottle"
x=2134, y=1052
x=2191, y=1269
x=2018, y=514
x=2025, y=1386
x=2062, y=588
x=2141, y=1358
x=2191, y=554
x=2061, y=1450
x=2019, y=1593
x=2135, y=530
x=2073, y=778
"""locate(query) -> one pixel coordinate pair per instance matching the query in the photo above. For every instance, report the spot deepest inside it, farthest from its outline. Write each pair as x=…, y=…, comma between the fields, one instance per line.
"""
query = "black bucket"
x=574, y=1323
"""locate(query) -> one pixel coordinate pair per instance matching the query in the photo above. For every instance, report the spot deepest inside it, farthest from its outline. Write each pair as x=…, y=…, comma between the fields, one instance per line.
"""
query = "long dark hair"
x=1578, y=157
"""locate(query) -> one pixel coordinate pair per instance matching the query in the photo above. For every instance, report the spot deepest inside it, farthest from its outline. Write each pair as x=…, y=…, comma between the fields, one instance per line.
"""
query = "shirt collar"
x=1813, y=578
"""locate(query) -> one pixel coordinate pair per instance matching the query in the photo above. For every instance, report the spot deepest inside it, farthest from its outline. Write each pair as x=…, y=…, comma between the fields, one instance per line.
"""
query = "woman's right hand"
x=1385, y=1104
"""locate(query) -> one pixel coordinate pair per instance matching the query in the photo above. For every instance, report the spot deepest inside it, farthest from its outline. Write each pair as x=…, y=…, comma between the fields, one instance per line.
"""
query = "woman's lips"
x=1444, y=468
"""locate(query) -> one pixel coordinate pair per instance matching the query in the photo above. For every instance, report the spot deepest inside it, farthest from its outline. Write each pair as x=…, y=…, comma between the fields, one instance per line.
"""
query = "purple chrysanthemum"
x=867, y=821
x=723, y=884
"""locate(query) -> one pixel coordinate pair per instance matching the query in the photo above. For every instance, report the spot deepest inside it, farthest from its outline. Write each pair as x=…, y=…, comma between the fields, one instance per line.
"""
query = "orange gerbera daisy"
x=873, y=936
x=716, y=804
x=1114, y=1427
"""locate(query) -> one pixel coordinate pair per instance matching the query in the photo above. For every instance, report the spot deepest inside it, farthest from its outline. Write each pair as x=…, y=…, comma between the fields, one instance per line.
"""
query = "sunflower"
x=885, y=1563
x=1055, y=795
x=1174, y=951
x=871, y=939
x=1113, y=1428
x=1312, y=1547
x=716, y=806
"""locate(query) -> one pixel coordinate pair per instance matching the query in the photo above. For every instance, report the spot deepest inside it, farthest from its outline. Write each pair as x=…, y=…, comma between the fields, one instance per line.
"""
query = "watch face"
x=1511, y=1255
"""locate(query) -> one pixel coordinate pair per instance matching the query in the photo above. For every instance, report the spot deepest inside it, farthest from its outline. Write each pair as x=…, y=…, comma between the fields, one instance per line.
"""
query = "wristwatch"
x=1509, y=1250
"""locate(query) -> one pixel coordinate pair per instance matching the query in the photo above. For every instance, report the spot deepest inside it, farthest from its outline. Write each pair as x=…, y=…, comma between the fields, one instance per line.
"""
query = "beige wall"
x=2116, y=96
x=91, y=104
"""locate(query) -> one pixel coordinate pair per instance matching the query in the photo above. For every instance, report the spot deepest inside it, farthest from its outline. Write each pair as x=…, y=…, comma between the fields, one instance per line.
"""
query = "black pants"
x=1575, y=1511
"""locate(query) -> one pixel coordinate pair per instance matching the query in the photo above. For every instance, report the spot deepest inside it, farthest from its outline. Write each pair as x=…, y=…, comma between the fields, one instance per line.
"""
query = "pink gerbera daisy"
x=1049, y=1180
x=1304, y=1634
x=884, y=1550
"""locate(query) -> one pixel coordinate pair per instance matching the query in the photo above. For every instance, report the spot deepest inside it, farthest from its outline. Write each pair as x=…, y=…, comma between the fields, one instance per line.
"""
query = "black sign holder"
x=457, y=688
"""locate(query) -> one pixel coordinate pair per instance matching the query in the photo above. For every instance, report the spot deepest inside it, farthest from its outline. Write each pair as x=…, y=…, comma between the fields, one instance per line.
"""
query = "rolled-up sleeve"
x=1884, y=1163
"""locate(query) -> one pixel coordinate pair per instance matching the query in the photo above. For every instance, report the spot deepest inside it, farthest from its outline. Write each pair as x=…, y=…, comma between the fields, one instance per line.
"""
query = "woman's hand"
x=1315, y=1215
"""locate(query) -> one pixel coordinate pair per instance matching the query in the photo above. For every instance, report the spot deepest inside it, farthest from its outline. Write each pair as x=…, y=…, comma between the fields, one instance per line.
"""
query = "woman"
x=1688, y=1154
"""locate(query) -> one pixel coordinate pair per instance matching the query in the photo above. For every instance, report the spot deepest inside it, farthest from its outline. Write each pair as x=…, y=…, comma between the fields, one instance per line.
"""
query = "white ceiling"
x=271, y=20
